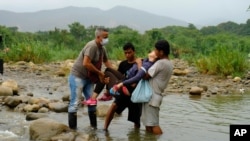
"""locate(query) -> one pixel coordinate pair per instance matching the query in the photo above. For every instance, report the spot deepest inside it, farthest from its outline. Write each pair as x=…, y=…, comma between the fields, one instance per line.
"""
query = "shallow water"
x=182, y=118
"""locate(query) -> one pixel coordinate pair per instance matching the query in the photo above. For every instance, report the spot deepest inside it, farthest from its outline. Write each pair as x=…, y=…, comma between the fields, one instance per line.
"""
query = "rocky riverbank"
x=38, y=89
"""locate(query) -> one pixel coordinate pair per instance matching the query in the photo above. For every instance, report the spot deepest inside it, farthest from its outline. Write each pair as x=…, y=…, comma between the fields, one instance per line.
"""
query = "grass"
x=224, y=61
x=37, y=52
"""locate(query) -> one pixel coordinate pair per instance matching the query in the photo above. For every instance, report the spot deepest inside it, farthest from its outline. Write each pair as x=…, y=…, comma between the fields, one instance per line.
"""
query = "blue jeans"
x=79, y=88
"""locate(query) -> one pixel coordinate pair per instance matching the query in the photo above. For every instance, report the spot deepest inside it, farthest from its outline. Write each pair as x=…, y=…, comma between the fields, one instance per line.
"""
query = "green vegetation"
x=223, y=60
x=223, y=49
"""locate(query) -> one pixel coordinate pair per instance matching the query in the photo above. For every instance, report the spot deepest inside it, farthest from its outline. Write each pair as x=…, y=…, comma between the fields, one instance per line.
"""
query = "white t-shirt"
x=160, y=74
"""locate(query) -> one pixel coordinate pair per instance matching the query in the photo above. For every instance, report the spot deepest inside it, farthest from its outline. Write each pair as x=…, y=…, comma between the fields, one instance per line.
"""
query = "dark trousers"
x=1, y=66
x=114, y=77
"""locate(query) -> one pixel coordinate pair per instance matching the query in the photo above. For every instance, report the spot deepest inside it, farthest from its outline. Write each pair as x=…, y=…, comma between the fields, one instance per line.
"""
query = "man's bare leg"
x=157, y=130
x=109, y=116
x=154, y=129
x=94, y=95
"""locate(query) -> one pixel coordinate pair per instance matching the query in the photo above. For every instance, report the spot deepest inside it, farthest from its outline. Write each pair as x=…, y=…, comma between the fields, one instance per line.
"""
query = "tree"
x=228, y=27
x=77, y=30
x=244, y=29
x=7, y=38
x=191, y=26
x=209, y=30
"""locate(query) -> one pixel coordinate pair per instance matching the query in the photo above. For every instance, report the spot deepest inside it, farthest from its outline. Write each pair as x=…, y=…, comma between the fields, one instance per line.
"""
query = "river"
x=182, y=118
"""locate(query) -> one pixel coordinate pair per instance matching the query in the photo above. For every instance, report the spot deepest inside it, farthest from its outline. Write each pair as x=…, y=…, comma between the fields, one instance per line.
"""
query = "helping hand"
x=101, y=76
x=106, y=80
x=117, y=86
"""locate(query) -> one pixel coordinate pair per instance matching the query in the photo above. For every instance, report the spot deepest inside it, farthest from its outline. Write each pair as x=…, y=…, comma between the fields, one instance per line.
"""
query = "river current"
x=182, y=118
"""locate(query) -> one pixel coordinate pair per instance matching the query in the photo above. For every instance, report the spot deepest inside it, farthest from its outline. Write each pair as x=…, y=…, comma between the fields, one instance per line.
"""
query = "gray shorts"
x=150, y=115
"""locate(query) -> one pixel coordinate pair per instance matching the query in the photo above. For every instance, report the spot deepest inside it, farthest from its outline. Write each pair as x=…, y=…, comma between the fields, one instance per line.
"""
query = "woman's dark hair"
x=129, y=46
x=163, y=45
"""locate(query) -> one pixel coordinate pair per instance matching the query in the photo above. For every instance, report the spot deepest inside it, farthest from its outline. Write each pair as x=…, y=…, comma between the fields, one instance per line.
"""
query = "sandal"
x=105, y=97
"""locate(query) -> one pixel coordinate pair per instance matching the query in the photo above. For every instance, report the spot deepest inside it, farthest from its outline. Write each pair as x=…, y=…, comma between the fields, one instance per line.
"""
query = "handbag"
x=142, y=93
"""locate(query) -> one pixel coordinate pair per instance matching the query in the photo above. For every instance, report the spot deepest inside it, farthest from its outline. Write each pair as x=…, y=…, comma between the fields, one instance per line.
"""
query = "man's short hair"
x=99, y=30
x=129, y=46
x=163, y=45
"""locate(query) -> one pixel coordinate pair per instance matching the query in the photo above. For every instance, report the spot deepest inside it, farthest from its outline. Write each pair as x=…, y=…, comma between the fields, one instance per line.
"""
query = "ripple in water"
x=203, y=118
x=182, y=118
x=7, y=135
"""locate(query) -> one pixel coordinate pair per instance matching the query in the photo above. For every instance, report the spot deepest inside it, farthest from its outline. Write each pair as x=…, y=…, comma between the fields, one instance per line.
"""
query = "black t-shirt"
x=122, y=101
x=124, y=66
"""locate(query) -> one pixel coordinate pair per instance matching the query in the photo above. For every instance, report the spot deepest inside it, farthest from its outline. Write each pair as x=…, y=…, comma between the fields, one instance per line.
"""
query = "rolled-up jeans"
x=79, y=88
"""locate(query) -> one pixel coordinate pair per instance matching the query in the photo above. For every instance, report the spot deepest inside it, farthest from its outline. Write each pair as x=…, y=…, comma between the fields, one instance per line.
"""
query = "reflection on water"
x=182, y=118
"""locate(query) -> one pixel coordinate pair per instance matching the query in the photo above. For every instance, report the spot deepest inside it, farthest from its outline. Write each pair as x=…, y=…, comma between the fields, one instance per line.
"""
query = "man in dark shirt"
x=122, y=101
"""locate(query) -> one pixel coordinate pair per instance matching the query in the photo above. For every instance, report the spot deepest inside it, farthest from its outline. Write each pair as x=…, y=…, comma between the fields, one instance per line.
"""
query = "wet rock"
x=34, y=116
x=58, y=107
x=237, y=79
x=196, y=90
x=85, y=137
x=214, y=90
x=20, y=107
x=204, y=87
x=65, y=97
x=65, y=68
x=43, y=110
x=23, y=98
x=44, y=129
x=5, y=91
x=11, y=84
x=179, y=72
x=70, y=136
x=30, y=94
x=102, y=110
x=61, y=73
x=12, y=101
x=43, y=102
x=31, y=108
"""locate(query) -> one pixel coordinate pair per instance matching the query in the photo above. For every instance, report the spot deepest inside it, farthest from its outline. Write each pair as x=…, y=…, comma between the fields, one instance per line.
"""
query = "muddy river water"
x=182, y=118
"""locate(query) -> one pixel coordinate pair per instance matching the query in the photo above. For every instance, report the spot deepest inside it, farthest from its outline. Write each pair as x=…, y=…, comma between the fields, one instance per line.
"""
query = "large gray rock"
x=196, y=90
x=31, y=108
x=179, y=72
x=11, y=84
x=12, y=101
x=44, y=129
x=102, y=110
x=34, y=116
x=5, y=91
x=58, y=107
x=42, y=102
